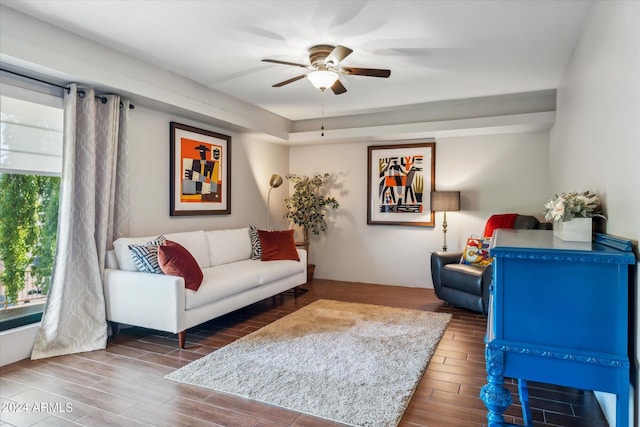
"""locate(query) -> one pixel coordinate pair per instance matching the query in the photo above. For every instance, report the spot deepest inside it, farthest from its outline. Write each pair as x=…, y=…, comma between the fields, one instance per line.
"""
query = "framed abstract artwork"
x=400, y=180
x=200, y=163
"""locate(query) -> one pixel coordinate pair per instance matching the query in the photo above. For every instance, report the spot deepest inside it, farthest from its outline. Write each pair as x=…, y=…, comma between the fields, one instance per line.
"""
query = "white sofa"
x=232, y=279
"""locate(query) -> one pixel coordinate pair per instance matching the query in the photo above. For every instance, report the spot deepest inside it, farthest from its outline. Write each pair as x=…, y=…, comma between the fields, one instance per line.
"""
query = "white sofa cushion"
x=227, y=246
x=195, y=242
x=222, y=281
x=270, y=271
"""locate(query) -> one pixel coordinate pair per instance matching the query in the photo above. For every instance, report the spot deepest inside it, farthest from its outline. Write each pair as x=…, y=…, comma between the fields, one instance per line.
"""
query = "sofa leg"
x=114, y=328
x=299, y=290
x=182, y=335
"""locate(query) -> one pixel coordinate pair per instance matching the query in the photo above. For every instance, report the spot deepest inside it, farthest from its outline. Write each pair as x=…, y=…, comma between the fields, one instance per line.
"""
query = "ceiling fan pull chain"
x=322, y=126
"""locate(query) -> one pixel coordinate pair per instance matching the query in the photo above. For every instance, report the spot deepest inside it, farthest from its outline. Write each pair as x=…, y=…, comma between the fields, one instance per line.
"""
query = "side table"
x=558, y=314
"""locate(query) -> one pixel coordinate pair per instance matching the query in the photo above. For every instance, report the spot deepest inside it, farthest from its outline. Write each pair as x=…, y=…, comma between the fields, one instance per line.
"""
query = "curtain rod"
x=68, y=89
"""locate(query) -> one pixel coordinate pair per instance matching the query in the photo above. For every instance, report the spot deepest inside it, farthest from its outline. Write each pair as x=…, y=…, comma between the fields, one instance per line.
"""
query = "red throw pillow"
x=176, y=260
x=277, y=245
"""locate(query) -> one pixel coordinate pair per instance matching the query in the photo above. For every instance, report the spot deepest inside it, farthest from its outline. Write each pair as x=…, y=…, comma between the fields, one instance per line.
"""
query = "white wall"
x=252, y=163
x=495, y=174
x=595, y=143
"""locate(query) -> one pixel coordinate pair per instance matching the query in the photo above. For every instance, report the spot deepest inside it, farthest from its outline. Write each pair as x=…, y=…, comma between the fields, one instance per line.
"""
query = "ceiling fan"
x=325, y=70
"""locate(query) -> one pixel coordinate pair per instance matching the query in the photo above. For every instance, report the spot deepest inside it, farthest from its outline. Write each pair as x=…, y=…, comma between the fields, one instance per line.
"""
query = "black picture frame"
x=200, y=178
x=400, y=178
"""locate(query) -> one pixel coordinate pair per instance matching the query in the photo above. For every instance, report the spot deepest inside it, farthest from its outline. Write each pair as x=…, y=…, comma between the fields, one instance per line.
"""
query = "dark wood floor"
x=124, y=385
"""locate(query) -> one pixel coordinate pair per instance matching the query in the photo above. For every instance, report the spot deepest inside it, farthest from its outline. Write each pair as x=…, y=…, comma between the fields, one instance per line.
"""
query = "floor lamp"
x=444, y=201
x=274, y=182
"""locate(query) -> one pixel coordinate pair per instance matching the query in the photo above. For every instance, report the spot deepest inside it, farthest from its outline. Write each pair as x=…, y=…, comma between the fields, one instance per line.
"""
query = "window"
x=30, y=168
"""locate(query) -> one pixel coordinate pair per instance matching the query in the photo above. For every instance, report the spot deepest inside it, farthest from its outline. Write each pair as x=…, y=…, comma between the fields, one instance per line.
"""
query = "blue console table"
x=558, y=314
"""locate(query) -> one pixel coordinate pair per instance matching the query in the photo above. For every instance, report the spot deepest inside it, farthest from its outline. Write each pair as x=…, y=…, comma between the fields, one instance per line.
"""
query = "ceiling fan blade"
x=372, y=72
x=338, y=88
x=338, y=54
x=291, y=80
x=275, y=61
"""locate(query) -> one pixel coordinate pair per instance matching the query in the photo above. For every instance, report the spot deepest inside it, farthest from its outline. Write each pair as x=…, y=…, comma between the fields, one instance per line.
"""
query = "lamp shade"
x=275, y=181
x=322, y=79
x=445, y=201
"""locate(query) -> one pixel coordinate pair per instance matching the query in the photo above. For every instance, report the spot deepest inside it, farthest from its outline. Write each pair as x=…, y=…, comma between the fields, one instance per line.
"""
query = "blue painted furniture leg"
x=494, y=394
x=622, y=399
x=523, y=391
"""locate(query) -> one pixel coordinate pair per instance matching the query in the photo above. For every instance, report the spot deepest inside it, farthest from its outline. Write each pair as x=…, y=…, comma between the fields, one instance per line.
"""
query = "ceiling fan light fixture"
x=322, y=79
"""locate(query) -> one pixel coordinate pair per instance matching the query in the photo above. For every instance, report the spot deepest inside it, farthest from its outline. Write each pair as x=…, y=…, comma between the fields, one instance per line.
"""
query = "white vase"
x=576, y=230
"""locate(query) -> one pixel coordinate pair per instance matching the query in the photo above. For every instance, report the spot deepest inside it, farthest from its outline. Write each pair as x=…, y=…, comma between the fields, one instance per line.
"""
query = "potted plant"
x=572, y=214
x=306, y=207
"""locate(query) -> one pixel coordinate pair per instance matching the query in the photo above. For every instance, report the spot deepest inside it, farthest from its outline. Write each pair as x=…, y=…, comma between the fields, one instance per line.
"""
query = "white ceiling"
x=436, y=50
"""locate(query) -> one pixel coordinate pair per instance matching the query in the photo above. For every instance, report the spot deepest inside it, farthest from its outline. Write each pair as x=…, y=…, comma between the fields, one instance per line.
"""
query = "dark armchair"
x=467, y=286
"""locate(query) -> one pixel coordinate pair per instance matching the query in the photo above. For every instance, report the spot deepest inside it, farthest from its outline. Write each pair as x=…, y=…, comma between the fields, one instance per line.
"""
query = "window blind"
x=31, y=135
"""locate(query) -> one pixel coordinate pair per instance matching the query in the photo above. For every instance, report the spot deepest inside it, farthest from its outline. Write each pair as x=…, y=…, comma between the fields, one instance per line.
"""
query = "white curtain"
x=93, y=211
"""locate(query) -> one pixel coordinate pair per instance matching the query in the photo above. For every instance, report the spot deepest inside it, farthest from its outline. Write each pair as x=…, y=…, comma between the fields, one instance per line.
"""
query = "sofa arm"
x=439, y=260
x=302, y=254
x=155, y=301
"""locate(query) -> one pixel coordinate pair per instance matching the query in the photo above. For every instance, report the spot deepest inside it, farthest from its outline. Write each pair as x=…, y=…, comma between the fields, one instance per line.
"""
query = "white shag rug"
x=356, y=364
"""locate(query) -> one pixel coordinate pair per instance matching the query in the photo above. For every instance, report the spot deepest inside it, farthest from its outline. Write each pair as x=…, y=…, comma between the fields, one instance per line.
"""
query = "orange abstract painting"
x=201, y=172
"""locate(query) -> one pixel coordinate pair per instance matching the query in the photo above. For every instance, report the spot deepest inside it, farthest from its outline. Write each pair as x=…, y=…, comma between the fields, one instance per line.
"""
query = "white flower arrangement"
x=567, y=206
